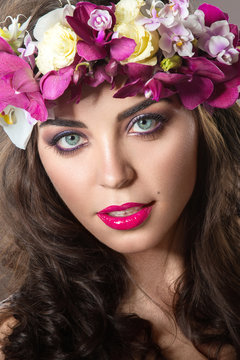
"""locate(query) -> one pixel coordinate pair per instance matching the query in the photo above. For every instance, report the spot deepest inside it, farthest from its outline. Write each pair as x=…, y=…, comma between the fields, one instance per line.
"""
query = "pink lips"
x=125, y=222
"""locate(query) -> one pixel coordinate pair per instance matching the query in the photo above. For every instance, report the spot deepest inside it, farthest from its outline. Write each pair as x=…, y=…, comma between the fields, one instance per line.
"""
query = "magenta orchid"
x=159, y=49
x=92, y=24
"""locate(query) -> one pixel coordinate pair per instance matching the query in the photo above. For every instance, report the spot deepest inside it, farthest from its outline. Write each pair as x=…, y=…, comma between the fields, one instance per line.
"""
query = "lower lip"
x=126, y=222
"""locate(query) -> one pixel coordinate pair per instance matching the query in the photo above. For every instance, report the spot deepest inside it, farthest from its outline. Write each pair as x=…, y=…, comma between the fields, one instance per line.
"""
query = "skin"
x=117, y=166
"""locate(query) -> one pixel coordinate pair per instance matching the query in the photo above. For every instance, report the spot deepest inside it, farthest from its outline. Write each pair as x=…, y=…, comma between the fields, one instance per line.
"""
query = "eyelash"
x=148, y=135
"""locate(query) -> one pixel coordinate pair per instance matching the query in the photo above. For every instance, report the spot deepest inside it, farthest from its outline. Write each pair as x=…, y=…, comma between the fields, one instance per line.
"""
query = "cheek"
x=173, y=166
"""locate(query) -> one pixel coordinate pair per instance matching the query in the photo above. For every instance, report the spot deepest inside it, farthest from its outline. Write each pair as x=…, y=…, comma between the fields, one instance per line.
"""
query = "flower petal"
x=23, y=81
x=10, y=63
x=122, y=48
x=195, y=92
x=4, y=46
x=54, y=83
x=91, y=52
x=20, y=132
x=130, y=89
x=212, y=14
x=223, y=96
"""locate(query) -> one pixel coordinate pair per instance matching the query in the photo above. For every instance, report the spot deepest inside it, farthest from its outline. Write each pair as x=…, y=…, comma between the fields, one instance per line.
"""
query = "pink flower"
x=100, y=20
x=217, y=41
x=176, y=39
x=18, y=86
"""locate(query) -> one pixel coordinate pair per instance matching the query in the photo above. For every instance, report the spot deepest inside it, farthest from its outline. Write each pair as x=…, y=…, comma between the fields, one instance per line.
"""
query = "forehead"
x=100, y=101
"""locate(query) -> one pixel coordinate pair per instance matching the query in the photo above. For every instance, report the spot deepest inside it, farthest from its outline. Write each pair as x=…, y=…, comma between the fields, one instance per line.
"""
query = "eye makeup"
x=145, y=126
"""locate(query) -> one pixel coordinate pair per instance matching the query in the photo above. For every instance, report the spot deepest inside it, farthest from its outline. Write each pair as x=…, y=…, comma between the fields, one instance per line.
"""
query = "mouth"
x=126, y=216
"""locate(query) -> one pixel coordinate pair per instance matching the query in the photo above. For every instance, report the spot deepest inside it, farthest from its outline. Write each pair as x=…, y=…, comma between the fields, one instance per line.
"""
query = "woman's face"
x=125, y=168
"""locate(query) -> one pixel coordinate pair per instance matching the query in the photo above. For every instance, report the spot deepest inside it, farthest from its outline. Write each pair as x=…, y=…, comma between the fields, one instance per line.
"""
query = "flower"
x=196, y=23
x=98, y=44
x=127, y=25
x=100, y=20
x=147, y=43
x=174, y=62
x=128, y=10
x=17, y=124
x=50, y=19
x=15, y=33
x=57, y=49
x=194, y=83
x=18, y=86
x=176, y=39
x=217, y=41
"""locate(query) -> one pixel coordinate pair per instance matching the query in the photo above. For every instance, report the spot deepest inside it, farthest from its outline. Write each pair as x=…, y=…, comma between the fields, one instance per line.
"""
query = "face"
x=125, y=168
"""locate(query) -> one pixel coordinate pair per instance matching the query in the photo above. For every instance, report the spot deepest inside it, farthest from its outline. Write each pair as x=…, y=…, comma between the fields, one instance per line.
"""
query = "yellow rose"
x=147, y=43
x=57, y=49
x=128, y=10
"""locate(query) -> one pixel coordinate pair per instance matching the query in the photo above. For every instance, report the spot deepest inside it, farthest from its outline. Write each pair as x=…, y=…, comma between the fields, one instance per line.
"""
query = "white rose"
x=57, y=49
x=128, y=10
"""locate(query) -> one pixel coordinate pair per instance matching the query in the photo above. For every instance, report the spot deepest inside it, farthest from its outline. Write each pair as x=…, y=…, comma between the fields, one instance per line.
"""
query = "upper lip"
x=121, y=207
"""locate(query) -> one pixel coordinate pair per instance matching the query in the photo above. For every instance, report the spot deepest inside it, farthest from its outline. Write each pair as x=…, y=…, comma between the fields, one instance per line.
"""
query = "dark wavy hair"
x=69, y=287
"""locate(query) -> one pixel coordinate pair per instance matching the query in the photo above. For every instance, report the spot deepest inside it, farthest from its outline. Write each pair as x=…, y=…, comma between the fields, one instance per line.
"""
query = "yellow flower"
x=57, y=49
x=147, y=43
x=128, y=10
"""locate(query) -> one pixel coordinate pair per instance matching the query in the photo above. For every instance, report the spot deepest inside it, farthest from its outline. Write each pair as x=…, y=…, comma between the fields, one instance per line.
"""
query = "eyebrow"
x=79, y=124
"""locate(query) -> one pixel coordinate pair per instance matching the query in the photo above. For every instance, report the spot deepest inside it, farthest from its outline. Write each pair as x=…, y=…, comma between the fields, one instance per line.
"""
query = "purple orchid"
x=194, y=84
x=92, y=24
x=217, y=41
x=18, y=86
x=137, y=75
x=54, y=83
x=226, y=90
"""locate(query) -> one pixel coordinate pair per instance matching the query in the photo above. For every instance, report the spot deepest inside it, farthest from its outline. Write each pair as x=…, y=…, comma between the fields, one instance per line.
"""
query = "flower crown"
x=161, y=49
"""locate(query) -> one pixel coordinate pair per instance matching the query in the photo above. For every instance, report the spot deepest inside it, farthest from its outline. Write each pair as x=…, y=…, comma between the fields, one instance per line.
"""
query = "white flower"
x=52, y=18
x=196, y=23
x=128, y=10
x=57, y=48
x=15, y=33
x=18, y=125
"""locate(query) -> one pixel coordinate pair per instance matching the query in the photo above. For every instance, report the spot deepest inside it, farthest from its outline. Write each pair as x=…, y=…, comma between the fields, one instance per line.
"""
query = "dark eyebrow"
x=133, y=110
x=123, y=115
x=64, y=122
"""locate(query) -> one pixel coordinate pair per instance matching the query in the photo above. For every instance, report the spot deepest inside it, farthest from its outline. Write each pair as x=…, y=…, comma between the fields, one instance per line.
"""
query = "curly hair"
x=69, y=286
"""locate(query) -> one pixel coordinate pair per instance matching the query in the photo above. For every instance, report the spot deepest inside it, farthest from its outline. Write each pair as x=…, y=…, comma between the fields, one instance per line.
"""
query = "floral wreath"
x=161, y=49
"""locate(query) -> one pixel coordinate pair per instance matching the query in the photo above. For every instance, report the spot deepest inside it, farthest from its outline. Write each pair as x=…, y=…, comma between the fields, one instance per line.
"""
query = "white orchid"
x=15, y=33
x=18, y=125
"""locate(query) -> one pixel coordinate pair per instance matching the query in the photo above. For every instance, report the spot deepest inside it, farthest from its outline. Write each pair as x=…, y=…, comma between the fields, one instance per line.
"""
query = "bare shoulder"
x=5, y=330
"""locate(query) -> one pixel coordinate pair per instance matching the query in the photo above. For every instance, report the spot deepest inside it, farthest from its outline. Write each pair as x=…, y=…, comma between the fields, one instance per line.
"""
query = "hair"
x=69, y=287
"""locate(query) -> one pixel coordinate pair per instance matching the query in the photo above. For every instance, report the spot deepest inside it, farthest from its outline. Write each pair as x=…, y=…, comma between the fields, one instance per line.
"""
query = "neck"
x=155, y=270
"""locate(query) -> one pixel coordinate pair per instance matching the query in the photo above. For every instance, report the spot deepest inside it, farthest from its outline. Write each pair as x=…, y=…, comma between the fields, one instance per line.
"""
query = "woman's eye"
x=146, y=123
x=68, y=142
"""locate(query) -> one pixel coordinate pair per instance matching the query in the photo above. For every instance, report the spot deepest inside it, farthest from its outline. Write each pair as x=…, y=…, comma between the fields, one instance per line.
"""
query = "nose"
x=115, y=169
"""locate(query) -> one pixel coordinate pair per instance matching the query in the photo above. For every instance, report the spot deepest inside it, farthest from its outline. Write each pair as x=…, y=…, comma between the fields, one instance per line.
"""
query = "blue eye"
x=68, y=141
x=146, y=124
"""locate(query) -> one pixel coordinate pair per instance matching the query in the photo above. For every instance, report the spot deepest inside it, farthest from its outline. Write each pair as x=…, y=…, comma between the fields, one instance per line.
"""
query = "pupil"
x=145, y=124
x=72, y=139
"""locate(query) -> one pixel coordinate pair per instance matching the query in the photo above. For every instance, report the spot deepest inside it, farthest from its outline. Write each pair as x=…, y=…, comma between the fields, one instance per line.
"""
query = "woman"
x=120, y=217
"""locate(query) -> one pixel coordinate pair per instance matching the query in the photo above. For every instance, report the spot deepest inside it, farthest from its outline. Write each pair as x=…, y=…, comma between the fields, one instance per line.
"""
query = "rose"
x=128, y=10
x=100, y=20
x=147, y=43
x=57, y=49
